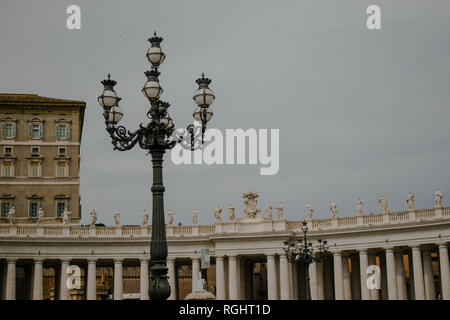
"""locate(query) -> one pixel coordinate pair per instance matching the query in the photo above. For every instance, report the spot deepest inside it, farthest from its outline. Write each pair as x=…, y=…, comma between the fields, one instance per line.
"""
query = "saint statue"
x=11, y=215
x=438, y=198
x=333, y=209
x=144, y=221
x=231, y=212
x=309, y=211
x=66, y=216
x=93, y=219
x=279, y=209
x=170, y=215
x=117, y=218
x=269, y=212
x=217, y=214
x=359, y=207
x=195, y=217
x=384, y=204
x=41, y=216
x=410, y=201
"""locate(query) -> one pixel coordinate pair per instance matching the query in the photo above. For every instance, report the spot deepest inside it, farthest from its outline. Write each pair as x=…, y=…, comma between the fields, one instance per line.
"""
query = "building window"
x=8, y=150
x=5, y=207
x=62, y=131
x=61, y=206
x=35, y=168
x=62, y=151
x=35, y=150
x=61, y=170
x=7, y=168
x=9, y=130
x=35, y=131
x=33, y=210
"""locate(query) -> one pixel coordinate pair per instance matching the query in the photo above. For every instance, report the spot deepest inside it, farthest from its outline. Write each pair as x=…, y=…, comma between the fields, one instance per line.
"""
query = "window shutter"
x=68, y=131
x=41, y=130
x=3, y=130
x=29, y=130
x=14, y=130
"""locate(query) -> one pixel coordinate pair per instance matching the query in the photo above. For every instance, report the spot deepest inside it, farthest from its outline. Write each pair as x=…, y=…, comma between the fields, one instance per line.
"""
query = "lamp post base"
x=159, y=288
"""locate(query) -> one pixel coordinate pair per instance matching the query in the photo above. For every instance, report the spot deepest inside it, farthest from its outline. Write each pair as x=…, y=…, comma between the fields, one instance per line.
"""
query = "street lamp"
x=156, y=137
x=304, y=252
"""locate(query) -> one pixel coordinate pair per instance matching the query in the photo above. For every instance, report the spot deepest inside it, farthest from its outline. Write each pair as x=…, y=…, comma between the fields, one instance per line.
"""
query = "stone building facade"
x=39, y=157
x=410, y=248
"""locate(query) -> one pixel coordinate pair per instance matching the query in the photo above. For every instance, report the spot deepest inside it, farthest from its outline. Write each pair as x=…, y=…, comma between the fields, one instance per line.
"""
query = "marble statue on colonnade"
x=144, y=220
x=217, y=214
x=384, y=204
x=231, y=215
x=195, y=217
x=66, y=216
x=269, y=212
x=309, y=211
x=93, y=219
x=117, y=218
x=279, y=209
x=170, y=219
x=359, y=207
x=410, y=201
x=438, y=198
x=333, y=209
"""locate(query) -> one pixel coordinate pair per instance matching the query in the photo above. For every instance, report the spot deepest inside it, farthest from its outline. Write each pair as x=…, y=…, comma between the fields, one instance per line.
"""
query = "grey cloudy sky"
x=360, y=112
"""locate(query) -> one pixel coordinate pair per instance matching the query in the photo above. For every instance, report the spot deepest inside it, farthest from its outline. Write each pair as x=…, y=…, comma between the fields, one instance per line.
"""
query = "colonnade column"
x=118, y=284
x=144, y=280
x=38, y=279
x=92, y=280
x=363, y=265
x=428, y=278
x=271, y=278
x=285, y=293
x=172, y=277
x=391, y=274
x=319, y=279
x=313, y=280
x=400, y=277
x=195, y=271
x=374, y=293
x=232, y=277
x=11, y=280
x=445, y=271
x=338, y=279
x=220, y=279
x=419, y=285
x=64, y=293
x=347, y=282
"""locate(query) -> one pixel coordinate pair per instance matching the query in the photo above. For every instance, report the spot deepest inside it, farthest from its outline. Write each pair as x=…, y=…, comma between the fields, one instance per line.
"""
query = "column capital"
x=363, y=251
x=91, y=260
x=65, y=260
x=171, y=259
x=118, y=260
x=390, y=249
x=12, y=260
x=270, y=255
x=442, y=245
x=38, y=260
x=143, y=260
x=415, y=247
x=336, y=252
x=220, y=258
x=232, y=257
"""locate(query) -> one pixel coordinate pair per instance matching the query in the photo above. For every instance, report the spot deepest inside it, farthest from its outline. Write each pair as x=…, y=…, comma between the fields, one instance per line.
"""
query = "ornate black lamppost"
x=304, y=253
x=156, y=136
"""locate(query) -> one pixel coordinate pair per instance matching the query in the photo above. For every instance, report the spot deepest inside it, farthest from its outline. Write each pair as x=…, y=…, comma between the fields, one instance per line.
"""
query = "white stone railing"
x=76, y=231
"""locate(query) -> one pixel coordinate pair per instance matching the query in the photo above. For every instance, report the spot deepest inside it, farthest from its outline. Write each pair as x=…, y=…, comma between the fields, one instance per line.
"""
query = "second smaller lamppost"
x=303, y=252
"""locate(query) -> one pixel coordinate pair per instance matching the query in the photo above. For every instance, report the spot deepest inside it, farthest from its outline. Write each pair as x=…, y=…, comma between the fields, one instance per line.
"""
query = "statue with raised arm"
x=269, y=212
x=309, y=211
x=12, y=215
x=438, y=198
x=231, y=212
x=170, y=217
x=144, y=220
x=66, y=216
x=410, y=201
x=384, y=204
x=195, y=217
x=333, y=209
x=117, y=218
x=279, y=209
x=359, y=207
x=41, y=216
x=217, y=214
x=93, y=219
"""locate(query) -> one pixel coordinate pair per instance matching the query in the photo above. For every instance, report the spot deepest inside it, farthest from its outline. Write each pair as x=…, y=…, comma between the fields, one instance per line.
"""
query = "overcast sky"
x=361, y=113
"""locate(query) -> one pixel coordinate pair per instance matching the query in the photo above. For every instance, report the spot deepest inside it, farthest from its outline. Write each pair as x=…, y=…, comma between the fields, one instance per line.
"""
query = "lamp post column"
x=159, y=285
